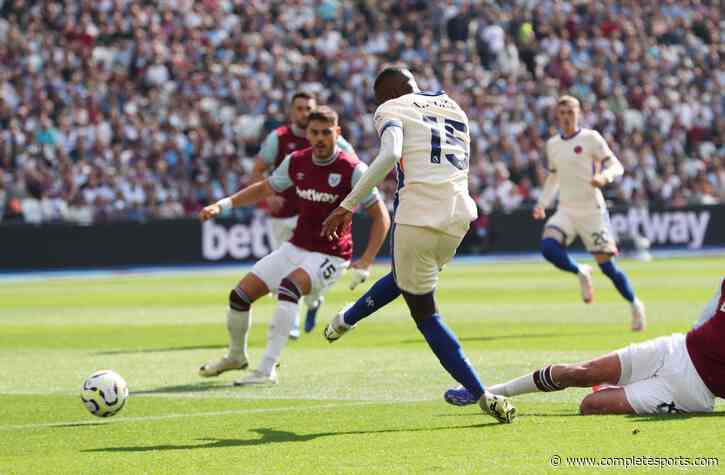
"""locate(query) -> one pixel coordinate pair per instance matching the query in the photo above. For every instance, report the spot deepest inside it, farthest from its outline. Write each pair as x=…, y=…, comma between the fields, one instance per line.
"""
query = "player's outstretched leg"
x=384, y=291
x=290, y=290
x=446, y=347
x=554, y=252
x=239, y=319
x=605, y=370
x=623, y=286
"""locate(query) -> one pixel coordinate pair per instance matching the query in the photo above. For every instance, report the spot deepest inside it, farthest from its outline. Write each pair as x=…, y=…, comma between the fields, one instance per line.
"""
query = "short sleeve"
x=371, y=197
x=280, y=179
x=600, y=149
x=386, y=117
x=270, y=148
x=345, y=146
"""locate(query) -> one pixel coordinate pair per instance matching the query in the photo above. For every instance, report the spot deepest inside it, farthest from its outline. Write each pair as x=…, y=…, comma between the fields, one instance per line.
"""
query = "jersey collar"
x=564, y=137
x=327, y=161
x=430, y=93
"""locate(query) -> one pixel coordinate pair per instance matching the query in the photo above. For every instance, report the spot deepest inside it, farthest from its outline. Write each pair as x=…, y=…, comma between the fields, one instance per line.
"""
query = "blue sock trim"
x=555, y=253
x=384, y=291
x=446, y=347
x=619, y=279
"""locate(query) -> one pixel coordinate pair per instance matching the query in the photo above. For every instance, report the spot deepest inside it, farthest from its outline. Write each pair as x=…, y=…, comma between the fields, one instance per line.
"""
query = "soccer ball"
x=104, y=393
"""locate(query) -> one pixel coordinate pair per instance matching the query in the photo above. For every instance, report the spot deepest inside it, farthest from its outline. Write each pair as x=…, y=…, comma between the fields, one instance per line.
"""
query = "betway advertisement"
x=187, y=241
x=675, y=227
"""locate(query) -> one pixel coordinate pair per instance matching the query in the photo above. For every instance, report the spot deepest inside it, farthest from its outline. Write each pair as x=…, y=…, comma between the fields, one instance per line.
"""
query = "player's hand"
x=599, y=181
x=275, y=203
x=337, y=220
x=539, y=212
x=209, y=212
x=360, y=272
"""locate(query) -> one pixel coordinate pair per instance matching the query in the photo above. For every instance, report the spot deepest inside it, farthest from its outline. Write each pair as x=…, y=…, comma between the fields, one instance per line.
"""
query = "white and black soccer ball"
x=104, y=393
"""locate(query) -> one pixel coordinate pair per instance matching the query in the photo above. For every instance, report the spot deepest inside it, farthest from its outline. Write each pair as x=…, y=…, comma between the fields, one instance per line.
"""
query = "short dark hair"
x=302, y=95
x=389, y=71
x=323, y=114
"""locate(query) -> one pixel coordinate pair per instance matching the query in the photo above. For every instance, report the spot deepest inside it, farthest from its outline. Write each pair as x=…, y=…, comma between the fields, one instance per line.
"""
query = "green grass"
x=370, y=403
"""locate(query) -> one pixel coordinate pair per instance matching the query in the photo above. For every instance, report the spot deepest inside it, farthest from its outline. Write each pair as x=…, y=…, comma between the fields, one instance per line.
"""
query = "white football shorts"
x=419, y=254
x=593, y=227
x=324, y=270
x=659, y=378
x=279, y=230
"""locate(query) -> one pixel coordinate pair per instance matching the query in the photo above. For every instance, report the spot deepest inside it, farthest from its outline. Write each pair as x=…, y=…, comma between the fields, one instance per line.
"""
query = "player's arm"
x=611, y=166
x=345, y=146
x=267, y=155
x=278, y=182
x=391, y=151
x=551, y=186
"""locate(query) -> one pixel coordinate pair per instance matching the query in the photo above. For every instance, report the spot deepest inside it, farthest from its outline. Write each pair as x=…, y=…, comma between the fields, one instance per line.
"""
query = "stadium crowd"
x=129, y=109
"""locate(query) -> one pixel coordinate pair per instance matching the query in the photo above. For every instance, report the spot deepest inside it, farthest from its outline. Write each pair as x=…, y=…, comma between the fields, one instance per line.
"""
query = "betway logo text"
x=239, y=241
x=316, y=196
x=664, y=227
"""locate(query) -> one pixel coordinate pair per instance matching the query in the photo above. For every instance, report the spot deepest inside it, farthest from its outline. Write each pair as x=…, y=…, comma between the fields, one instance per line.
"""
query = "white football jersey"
x=576, y=160
x=433, y=173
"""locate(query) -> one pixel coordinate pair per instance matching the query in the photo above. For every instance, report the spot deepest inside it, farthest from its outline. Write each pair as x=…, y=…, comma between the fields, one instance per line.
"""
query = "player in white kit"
x=580, y=163
x=425, y=135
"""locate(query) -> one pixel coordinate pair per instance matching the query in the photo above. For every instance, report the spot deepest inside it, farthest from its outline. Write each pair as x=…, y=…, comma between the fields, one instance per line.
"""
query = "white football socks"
x=521, y=385
x=279, y=328
x=238, y=324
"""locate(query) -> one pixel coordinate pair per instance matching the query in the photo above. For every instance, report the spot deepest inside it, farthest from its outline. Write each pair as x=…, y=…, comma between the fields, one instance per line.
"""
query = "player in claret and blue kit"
x=282, y=207
x=671, y=374
x=321, y=176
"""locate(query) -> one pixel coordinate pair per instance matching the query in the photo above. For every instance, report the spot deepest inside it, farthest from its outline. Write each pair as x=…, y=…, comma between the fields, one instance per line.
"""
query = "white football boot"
x=585, y=282
x=257, y=378
x=337, y=326
x=222, y=365
x=498, y=407
x=639, y=318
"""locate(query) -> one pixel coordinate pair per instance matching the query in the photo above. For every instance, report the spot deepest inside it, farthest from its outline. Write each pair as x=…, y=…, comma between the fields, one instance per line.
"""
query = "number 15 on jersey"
x=447, y=129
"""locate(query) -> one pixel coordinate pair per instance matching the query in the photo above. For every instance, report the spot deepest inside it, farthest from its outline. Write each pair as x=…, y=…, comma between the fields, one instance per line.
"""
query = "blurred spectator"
x=130, y=109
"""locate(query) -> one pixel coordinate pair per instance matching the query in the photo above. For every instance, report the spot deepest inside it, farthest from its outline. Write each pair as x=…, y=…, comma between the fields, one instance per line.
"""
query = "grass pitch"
x=370, y=403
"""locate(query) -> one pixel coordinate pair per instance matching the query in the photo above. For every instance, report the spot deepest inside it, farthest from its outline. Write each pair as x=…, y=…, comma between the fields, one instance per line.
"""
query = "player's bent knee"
x=608, y=401
x=239, y=300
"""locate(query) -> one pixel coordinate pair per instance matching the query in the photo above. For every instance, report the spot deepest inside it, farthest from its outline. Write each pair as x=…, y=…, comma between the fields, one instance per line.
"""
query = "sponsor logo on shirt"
x=300, y=176
x=316, y=196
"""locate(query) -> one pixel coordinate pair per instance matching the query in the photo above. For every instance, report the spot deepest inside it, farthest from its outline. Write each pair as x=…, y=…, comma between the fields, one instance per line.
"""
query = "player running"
x=670, y=374
x=425, y=135
x=308, y=264
x=580, y=163
x=282, y=206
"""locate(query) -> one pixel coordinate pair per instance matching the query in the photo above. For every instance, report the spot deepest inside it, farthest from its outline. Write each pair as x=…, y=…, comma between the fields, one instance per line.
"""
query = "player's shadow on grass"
x=162, y=350
x=272, y=436
x=512, y=337
x=185, y=388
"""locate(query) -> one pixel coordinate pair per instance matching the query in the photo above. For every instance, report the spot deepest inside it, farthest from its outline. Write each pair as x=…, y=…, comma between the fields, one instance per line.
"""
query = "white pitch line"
x=197, y=414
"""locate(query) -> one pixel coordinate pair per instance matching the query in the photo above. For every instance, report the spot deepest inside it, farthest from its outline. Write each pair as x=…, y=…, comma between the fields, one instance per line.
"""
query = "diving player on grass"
x=425, y=136
x=580, y=163
x=671, y=374
x=308, y=264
